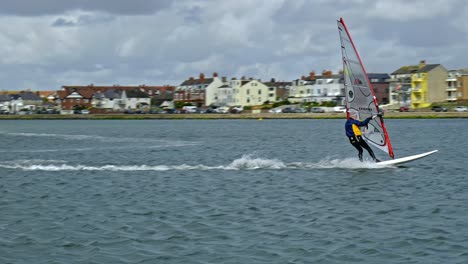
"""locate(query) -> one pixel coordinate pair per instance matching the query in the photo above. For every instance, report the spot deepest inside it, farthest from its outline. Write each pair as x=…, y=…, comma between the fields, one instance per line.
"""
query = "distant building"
x=70, y=99
x=380, y=83
x=279, y=89
x=250, y=92
x=462, y=87
x=15, y=102
x=457, y=86
x=200, y=92
x=112, y=98
x=322, y=88
x=428, y=85
x=418, y=86
x=400, y=86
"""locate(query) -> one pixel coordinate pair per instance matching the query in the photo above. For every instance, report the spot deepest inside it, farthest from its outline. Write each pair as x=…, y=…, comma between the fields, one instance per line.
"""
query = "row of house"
x=14, y=102
x=415, y=86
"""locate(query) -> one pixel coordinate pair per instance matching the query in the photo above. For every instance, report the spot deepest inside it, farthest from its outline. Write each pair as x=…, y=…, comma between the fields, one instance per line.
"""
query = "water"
x=229, y=191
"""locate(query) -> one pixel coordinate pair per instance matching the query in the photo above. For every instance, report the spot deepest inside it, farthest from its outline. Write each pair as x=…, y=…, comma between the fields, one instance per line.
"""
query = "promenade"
x=390, y=115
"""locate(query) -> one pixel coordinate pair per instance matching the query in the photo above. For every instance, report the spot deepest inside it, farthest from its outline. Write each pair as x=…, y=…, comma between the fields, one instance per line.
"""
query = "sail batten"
x=359, y=95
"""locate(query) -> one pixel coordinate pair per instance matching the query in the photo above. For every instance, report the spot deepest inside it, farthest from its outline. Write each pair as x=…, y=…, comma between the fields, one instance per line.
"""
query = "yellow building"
x=428, y=85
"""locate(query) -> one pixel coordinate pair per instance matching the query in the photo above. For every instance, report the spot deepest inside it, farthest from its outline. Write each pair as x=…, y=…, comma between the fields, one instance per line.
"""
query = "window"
x=259, y=91
x=248, y=91
x=271, y=89
x=271, y=95
x=85, y=100
x=248, y=100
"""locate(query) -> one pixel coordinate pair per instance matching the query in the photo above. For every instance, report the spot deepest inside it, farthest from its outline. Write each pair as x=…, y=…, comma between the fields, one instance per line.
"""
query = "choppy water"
x=229, y=191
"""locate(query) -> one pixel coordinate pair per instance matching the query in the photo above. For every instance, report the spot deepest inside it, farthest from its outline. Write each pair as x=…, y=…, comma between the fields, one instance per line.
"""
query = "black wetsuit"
x=355, y=138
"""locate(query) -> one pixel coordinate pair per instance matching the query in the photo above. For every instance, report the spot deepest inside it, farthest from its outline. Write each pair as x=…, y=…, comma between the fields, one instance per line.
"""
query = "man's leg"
x=364, y=145
x=356, y=144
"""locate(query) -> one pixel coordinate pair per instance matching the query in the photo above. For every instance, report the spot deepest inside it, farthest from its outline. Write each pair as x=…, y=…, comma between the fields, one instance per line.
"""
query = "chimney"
x=215, y=74
x=202, y=77
x=312, y=75
x=243, y=78
x=303, y=77
x=272, y=80
x=326, y=73
x=223, y=79
x=422, y=63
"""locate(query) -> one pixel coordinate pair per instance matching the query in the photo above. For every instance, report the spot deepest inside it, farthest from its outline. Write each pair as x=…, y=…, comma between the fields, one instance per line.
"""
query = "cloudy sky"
x=45, y=44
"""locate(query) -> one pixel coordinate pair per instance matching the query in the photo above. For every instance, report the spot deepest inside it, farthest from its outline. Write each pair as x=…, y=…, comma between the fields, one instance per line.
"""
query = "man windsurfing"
x=353, y=132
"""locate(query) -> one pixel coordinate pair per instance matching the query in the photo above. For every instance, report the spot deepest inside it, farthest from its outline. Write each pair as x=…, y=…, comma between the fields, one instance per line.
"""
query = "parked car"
x=85, y=112
x=275, y=110
x=439, y=108
x=236, y=109
x=317, y=110
x=287, y=110
x=461, y=109
x=300, y=110
x=339, y=109
x=189, y=109
x=404, y=109
x=171, y=111
x=222, y=110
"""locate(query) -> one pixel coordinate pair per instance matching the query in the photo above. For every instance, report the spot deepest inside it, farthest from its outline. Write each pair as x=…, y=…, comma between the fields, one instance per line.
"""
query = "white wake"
x=246, y=162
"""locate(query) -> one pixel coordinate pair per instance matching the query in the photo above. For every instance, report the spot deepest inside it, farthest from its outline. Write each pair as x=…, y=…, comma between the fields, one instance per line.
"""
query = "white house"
x=250, y=92
x=113, y=99
x=225, y=96
x=323, y=88
x=136, y=99
x=13, y=103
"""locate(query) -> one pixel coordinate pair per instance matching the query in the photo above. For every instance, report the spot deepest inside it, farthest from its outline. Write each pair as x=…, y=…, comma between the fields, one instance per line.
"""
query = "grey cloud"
x=52, y=7
x=62, y=22
x=82, y=20
x=280, y=39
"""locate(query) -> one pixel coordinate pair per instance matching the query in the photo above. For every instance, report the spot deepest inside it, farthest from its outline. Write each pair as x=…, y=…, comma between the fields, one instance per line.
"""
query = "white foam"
x=250, y=162
x=246, y=162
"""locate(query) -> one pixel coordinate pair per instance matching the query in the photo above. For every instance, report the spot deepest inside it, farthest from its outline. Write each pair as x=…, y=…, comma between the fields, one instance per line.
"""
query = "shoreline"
x=391, y=115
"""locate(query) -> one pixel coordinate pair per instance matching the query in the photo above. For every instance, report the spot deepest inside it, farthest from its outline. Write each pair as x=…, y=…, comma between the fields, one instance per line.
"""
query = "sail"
x=359, y=93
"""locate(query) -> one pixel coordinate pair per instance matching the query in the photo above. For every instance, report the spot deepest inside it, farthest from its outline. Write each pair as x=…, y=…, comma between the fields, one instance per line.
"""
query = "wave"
x=140, y=143
x=246, y=162
x=167, y=145
x=101, y=138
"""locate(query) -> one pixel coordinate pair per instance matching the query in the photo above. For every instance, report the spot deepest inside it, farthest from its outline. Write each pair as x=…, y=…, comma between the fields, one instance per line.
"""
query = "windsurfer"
x=355, y=135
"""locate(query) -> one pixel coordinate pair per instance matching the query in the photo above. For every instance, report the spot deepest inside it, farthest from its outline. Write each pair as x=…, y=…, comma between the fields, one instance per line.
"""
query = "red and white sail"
x=360, y=97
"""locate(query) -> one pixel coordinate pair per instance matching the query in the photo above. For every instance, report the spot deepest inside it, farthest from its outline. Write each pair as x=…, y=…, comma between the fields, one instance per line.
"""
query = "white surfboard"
x=406, y=159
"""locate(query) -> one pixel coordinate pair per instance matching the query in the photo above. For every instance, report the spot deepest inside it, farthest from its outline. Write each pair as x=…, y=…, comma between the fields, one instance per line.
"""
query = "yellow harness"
x=356, y=130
